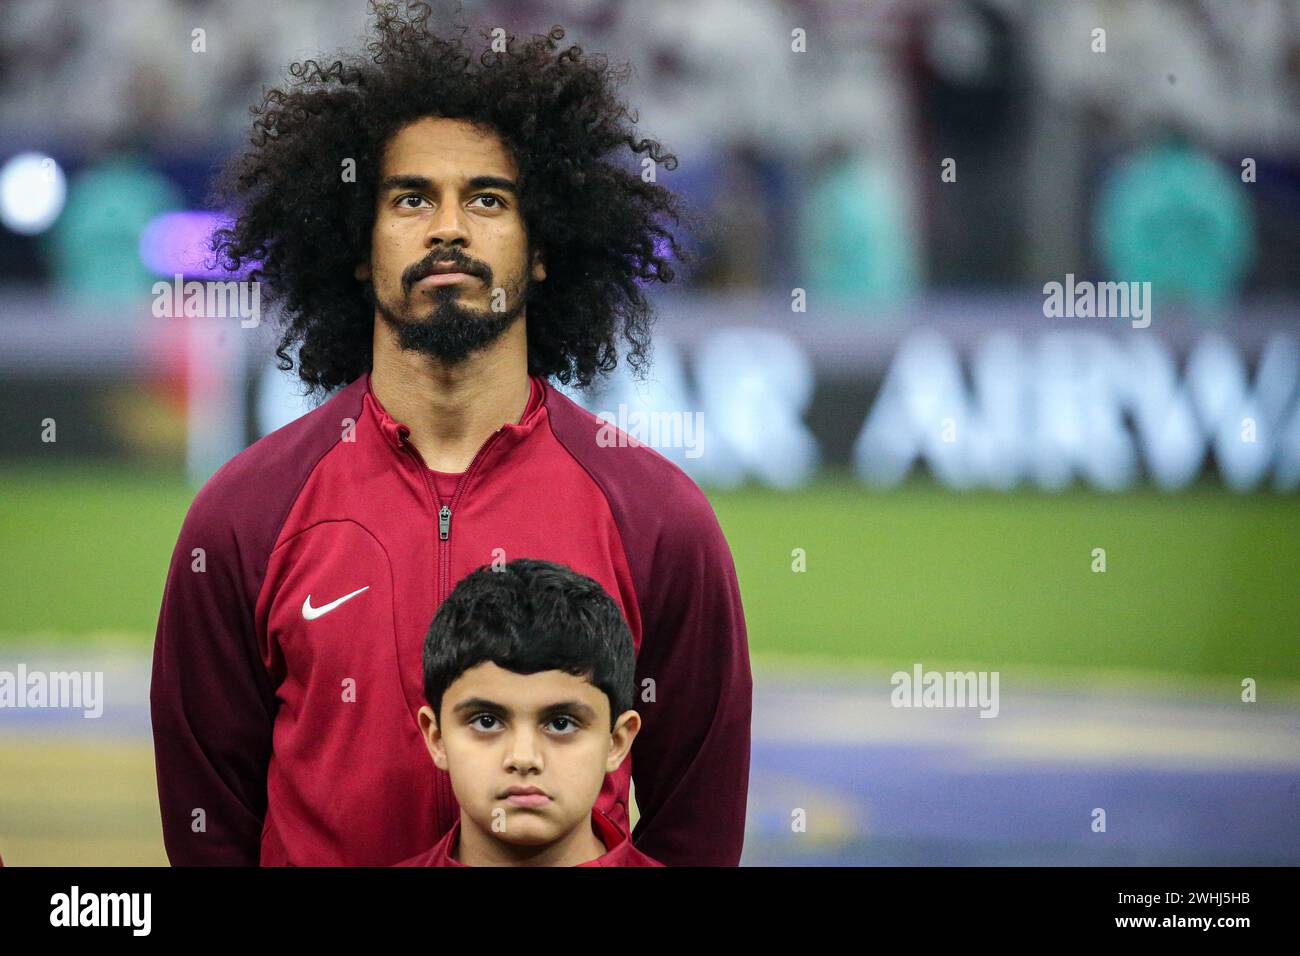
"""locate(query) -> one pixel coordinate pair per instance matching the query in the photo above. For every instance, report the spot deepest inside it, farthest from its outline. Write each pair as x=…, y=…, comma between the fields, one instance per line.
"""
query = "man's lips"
x=443, y=278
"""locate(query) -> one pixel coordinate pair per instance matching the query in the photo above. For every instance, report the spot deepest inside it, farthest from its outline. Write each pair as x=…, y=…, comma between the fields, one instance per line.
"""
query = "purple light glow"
x=177, y=242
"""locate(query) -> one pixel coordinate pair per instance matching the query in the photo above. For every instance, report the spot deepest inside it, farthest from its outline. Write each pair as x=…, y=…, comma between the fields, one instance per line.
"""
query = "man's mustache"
x=460, y=264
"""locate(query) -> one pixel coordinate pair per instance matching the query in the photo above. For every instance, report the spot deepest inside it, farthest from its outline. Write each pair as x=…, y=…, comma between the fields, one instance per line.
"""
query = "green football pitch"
x=1200, y=587
x=1201, y=584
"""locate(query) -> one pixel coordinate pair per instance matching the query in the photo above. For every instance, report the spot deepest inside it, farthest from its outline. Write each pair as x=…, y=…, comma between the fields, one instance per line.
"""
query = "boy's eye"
x=478, y=722
x=564, y=725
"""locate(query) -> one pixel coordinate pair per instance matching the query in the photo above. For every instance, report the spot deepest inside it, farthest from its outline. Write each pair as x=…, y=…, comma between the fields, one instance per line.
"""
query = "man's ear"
x=625, y=730
x=428, y=721
x=539, y=267
x=362, y=271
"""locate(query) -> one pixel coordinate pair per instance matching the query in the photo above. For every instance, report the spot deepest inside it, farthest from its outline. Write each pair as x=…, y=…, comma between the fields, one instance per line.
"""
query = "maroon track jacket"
x=287, y=669
x=619, y=850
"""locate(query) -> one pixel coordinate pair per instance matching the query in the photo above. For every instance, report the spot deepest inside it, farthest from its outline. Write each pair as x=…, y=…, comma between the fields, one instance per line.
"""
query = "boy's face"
x=548, y=732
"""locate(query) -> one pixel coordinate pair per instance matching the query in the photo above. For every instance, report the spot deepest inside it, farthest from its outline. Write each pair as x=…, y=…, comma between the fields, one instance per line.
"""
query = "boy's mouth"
x=525, y=797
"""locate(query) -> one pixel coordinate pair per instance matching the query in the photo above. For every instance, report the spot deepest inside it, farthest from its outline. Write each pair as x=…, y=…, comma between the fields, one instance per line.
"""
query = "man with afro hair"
x=445, y=228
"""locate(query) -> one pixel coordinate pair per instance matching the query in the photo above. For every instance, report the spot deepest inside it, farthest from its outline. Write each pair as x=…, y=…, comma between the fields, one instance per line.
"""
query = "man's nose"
x=447, y=226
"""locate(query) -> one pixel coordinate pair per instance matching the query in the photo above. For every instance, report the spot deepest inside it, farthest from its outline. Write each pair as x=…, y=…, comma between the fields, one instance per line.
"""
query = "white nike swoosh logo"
x=310, y=613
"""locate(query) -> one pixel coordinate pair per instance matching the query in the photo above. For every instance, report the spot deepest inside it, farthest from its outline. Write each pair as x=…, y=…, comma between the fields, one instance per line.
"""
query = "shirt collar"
x=606, y=830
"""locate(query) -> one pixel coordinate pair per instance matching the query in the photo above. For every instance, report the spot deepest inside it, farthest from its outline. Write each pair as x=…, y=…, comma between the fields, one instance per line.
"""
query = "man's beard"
x=452, y=332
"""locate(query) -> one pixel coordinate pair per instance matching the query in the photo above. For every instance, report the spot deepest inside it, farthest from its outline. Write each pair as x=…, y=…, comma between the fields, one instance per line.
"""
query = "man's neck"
x=451, y=411
x=477, y=848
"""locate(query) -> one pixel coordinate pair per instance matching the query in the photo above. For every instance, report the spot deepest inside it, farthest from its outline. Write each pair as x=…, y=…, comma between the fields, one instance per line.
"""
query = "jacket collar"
x=397, y=434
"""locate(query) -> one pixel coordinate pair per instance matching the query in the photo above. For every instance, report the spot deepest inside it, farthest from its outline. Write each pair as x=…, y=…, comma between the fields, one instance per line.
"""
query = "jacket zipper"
x=443, y=786
x=445, y=510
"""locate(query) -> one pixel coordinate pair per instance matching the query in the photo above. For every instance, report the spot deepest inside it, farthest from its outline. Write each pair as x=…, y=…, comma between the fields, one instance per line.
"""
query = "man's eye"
x=495, y=199
x=414, y=196
x=478, y=722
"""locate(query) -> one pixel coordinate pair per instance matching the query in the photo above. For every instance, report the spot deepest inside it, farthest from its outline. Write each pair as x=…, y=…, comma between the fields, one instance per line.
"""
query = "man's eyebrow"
x=413, y=181
x=494, y=182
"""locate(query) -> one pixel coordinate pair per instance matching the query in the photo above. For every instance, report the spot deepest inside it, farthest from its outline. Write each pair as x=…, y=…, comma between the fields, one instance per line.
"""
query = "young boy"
x=529, y=676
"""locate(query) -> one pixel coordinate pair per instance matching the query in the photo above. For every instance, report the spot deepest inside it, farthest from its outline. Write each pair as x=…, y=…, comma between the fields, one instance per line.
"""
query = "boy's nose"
x=523, y=753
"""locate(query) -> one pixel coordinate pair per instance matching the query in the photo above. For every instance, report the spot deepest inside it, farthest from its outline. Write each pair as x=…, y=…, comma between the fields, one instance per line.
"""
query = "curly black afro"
x=300, y=228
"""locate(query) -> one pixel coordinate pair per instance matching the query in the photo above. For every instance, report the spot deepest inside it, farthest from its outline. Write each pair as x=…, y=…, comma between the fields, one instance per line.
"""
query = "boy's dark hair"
x=528, y=617
x=602, y=229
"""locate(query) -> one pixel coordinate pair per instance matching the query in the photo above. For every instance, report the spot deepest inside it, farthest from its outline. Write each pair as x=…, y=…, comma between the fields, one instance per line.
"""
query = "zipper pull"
x=444, y=522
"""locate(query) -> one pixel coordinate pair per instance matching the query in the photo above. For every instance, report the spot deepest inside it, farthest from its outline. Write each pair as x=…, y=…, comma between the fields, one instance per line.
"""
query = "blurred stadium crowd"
x=841, y=144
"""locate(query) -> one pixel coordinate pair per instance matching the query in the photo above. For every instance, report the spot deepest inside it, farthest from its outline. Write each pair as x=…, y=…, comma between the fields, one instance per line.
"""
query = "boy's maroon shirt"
x=619, y=850
x=287, y=668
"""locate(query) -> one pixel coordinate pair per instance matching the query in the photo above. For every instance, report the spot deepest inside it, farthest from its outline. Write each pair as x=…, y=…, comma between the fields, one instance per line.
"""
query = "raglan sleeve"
x=210, y=698
x=690, y=761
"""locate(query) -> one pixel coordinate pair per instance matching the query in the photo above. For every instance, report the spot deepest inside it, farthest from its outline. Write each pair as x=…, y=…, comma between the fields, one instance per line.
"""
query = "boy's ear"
x=432, y=736
x=362, y=271
x=625, y=730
